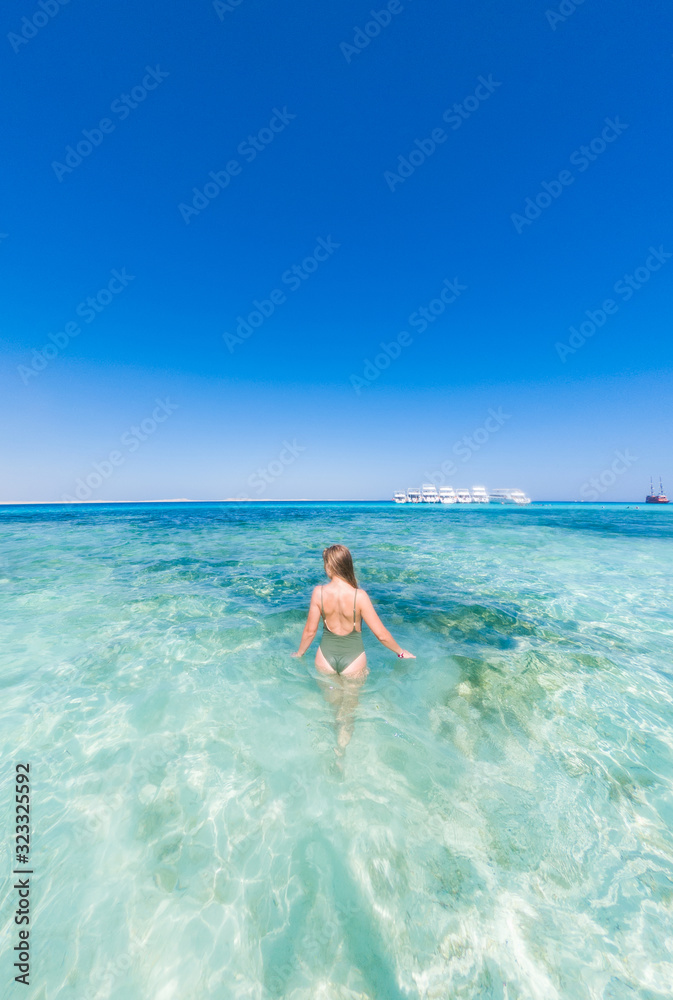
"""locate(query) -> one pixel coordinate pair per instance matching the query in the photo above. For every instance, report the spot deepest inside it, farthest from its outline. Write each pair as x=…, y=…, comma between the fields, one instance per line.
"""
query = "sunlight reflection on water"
x=498, y=827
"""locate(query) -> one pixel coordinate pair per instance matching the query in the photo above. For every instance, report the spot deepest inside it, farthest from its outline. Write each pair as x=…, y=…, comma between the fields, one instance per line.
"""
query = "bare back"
x=343, y=609
x=338, y=599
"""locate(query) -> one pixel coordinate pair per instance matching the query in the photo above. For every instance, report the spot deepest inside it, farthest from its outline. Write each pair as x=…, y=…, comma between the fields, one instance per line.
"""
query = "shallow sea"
x=498, y=828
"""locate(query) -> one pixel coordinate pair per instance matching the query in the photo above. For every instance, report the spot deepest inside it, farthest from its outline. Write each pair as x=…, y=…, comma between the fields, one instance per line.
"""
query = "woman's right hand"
x=406, y=655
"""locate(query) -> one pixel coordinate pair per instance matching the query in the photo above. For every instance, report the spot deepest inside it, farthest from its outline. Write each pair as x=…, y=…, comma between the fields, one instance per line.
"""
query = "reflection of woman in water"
x=341, y=655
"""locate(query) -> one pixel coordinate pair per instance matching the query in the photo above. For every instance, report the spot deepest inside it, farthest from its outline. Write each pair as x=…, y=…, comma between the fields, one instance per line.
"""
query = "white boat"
x=413, y=496
x=400, y=497
x=479, y=494
x=429, y=493
x=463, y=496
x=517, y=497
x=447, y=494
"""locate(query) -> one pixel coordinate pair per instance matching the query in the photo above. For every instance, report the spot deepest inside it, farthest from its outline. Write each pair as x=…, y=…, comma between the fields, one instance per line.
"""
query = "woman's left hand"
x=296, y=655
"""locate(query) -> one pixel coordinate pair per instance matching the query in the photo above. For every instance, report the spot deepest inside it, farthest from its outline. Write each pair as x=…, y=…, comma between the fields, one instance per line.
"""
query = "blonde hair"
x=339, y=562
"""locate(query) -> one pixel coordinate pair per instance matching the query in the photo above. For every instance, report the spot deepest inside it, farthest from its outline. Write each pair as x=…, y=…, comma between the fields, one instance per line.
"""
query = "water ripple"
x=498, y=827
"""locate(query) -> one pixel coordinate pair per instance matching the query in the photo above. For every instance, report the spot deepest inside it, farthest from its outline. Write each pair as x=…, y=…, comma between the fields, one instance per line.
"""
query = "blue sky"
x=310, y=132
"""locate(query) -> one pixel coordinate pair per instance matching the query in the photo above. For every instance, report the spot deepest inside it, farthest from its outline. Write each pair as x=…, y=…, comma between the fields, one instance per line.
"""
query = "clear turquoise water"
x=499, y=826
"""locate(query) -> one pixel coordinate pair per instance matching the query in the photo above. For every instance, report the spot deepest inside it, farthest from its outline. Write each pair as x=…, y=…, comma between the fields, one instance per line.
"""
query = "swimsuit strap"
x=322, y=609
x=355, y=597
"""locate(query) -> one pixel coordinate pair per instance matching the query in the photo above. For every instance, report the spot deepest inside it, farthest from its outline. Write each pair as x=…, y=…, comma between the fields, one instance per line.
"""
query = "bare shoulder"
x=362, y=597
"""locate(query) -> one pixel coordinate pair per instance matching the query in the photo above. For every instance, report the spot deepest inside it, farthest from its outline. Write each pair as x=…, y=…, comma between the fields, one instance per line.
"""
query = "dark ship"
x=659, y=497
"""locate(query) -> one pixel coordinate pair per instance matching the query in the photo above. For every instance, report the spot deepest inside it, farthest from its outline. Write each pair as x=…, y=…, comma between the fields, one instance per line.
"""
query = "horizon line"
x=98, y=503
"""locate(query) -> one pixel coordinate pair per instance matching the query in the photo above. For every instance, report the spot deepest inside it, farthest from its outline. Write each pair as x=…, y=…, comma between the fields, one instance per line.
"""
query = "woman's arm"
x=311, y=626
x=378, y=628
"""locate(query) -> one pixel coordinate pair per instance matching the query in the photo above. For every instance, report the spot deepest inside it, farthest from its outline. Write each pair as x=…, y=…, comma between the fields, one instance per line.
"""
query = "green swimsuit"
x=340, y=650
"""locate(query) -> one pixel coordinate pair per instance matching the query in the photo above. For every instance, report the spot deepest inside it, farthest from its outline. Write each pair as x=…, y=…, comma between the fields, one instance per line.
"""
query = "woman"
x=343, y=607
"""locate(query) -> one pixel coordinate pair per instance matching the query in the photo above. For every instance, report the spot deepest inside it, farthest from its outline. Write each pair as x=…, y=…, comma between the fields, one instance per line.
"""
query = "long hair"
x=339, y=562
